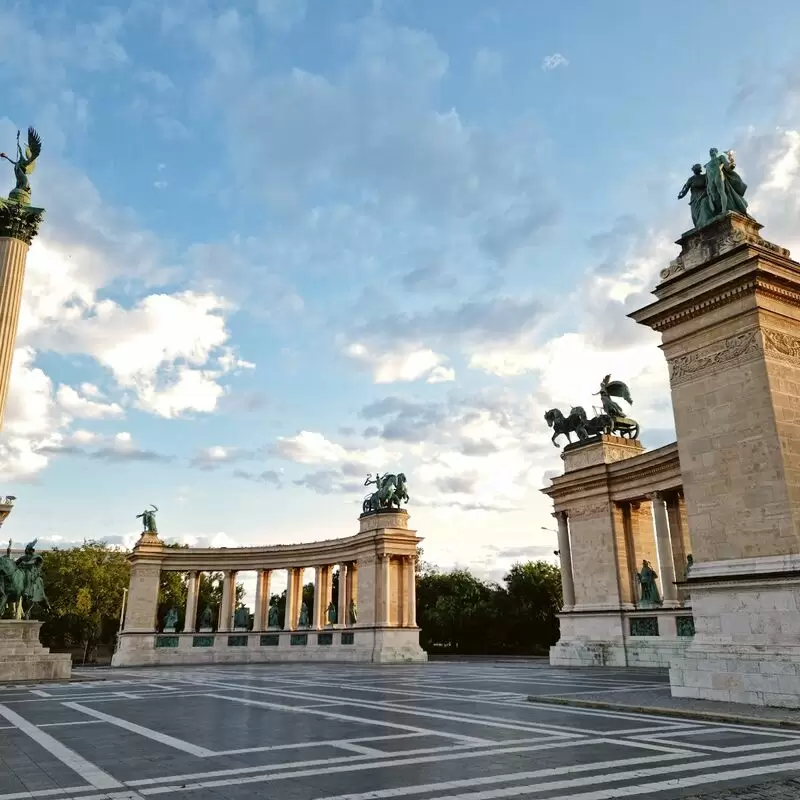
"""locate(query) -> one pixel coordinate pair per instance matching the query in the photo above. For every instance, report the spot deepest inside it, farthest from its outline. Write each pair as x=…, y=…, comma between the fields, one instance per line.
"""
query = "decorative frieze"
x=708, y=359
x=780, y=345
x=584, y=512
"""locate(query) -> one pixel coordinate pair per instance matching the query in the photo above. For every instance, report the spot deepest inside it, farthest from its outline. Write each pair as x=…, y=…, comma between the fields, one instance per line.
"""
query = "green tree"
x=530, y=605
x=85, y=586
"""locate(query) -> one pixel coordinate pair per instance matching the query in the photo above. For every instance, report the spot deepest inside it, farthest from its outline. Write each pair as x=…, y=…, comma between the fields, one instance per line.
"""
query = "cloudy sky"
x=290, y=242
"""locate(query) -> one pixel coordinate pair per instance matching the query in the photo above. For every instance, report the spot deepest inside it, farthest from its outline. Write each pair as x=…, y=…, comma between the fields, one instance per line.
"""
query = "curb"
x=708, y=716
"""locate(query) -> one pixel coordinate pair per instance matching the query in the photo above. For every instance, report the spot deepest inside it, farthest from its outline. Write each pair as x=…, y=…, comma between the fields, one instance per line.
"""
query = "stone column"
x=291, y=611
x=565, y=557
x=192, y=593
x=17, y=230
x=319, y=589
x=384, y=589
x=341, y=601
x=228, y=599
x=262, y=600
x=410, y=615
x=352, y=588
x=666, y=562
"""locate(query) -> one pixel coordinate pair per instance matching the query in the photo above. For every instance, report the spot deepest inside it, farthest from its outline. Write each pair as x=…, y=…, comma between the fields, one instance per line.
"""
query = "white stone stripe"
x=361, y=749
x=89, y=772
x=323, y=766
x=43, y=793
x=40, y=693
x=637, y=789
x=156, y=736
x=72, y=722
x=303, y=745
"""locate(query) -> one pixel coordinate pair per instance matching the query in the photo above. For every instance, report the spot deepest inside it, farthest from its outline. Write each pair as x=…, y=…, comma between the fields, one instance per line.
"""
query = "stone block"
x=22, y=657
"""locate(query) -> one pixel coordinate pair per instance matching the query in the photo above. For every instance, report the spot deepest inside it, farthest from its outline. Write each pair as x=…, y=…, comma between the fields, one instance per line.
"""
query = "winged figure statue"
x=24, y=166
x=622, y=423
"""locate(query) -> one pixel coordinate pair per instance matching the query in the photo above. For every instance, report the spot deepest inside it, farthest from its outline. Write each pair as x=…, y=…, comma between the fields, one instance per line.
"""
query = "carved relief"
x=782, y=345
x=675, y=268
x=707, y=359
x=595, y=510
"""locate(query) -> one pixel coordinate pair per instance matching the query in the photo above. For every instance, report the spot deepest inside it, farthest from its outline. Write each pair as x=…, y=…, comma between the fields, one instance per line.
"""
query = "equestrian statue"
x=21, y=583
x=389, y=491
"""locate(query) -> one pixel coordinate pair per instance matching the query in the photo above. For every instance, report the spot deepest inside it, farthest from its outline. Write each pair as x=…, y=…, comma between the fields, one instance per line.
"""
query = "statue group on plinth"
x=716, y=191
x=390, y=490
x=21, y=583
x=611, y=419
x=148, y=518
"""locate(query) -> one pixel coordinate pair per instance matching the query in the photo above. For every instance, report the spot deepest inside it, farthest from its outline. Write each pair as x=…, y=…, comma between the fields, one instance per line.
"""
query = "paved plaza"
x=451, y=731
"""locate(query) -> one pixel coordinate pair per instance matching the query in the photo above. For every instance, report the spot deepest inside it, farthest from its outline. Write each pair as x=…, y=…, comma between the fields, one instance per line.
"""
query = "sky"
x=292, y=242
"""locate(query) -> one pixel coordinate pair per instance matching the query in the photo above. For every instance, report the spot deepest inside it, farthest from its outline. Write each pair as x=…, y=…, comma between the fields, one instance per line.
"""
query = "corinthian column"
x=565, y=558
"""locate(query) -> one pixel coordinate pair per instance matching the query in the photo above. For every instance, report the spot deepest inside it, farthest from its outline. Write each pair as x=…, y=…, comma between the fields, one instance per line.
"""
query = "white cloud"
x=80, y=406
x=310, y=447
x=282, y=15
x=405, y=365
x=554, y=61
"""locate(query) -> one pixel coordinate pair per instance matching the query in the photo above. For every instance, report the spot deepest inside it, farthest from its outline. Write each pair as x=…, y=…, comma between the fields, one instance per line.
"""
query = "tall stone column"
x=410, y=616
x=352, y=588
x=728, y=311
x=341, y=600
x=319, y=589
x=228, y=599
x=262, y=600
x=192, y=594
x=666, y=562
x=565, y=557
x=384, y=589
x=291, y=609
x=19, y=225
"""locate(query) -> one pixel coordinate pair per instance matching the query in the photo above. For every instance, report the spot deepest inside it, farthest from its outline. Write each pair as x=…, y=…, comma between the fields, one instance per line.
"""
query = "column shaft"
x=384, y=609
x=319, y=589
x=341, y=600
x=664, y=549
x=224, y=621
x=290, y=616
x=411, y=592
x=258, y=609
x=266, y=593
x=565, y=557
x=192, y=593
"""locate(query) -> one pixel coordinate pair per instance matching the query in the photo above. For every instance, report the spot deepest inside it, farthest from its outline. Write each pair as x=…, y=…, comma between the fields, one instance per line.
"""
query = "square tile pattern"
x=444, y=730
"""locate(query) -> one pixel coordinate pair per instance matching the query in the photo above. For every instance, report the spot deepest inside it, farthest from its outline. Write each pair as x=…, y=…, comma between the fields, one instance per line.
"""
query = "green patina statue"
x=171, y=619
x=241, y=619
x=148, y=518
x=304, y=621
x=390, y=490
x=21, y=581
x=272, y=620
x=611, y=419
x=716, y=191
x=18, y=219
x=331, y=613
x=206, y=619
x=353, y=612
x=647, y=580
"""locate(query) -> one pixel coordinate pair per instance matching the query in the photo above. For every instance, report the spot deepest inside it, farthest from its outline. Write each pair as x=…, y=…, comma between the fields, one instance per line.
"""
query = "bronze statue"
x=647, y=580
x=206, y=618
x=622, y=424
x=272, y=620
x=331, y=613
x=148, y=518
x=171, y=620
x=23, y=167
x=391, y=489
x=21, y=581
x=695, y=187
x=304, y=621
x=353, y=612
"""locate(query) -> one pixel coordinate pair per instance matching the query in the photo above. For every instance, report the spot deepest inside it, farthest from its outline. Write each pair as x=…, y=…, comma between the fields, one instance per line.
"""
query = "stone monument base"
x=22, y=657
x=621, y=638
x=747, y=643
x=362, y=644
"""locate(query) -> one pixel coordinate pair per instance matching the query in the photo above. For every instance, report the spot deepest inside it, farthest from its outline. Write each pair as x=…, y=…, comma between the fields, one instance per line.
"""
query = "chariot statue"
x=390, y=490
x=621, y=423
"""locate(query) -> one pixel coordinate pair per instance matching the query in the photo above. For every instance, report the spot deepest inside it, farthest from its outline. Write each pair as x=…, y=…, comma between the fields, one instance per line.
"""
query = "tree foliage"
x=459, y=613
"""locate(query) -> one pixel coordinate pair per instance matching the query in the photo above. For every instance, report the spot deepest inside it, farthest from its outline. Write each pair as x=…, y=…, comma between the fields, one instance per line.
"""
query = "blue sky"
x=291, y=242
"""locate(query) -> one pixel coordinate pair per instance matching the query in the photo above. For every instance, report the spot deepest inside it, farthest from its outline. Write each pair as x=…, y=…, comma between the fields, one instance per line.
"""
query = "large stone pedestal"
x=728, y=310
x=22, y=657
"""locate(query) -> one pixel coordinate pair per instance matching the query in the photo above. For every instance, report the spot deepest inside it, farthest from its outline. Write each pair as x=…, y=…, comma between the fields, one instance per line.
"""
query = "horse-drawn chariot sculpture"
x=611, y=420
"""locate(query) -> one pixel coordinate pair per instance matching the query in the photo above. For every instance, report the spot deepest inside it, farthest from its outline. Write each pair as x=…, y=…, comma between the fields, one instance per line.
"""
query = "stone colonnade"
x=375, y=603
x=617, y=506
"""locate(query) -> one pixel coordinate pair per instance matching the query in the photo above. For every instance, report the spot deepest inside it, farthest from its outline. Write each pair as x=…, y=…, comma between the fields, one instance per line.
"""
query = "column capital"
x=659, y=494
x=560, y=515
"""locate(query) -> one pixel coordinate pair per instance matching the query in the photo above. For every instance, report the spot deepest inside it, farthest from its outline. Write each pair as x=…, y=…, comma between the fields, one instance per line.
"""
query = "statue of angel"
x=623, y=425
x=24, y=166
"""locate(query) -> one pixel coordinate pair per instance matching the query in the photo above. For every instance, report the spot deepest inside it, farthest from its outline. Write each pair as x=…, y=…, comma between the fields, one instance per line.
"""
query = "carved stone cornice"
x=19, y=221
x=781, y=346
x=706, y=360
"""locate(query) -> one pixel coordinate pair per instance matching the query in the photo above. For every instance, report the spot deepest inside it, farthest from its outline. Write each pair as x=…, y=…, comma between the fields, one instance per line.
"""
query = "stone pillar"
x=291, y=610
x=352, y=588
x=666, y=562
x=384, y=589
x=17, y=230
x=319, y=589
x=140, y=613
x=728, y=316
x=679, y=535
x=228, y=599
x=192, y=596
x=565, y=556
x=262, y=600
x=341, y=600
x=410, y=616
